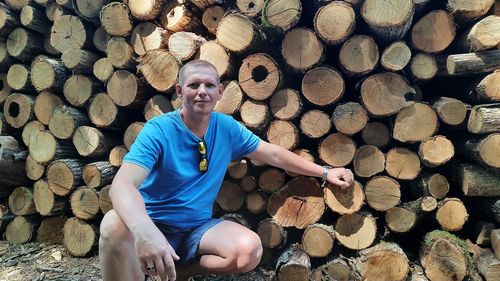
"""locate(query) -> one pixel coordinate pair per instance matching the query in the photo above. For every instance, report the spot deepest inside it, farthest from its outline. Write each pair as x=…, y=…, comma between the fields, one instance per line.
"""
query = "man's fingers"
x=170, y=267
x=160, y=268
x=340, y=183
x=173, y=253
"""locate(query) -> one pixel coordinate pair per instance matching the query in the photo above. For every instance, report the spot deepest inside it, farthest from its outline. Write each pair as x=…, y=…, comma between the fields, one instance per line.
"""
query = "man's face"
x=200, y=90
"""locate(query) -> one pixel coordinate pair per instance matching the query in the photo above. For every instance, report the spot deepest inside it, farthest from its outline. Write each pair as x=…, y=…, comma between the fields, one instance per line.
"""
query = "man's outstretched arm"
x=280, y=157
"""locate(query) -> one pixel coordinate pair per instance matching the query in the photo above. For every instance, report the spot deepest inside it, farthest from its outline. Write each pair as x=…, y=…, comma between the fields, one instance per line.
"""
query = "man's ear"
x=221, y=91
x=178, y=91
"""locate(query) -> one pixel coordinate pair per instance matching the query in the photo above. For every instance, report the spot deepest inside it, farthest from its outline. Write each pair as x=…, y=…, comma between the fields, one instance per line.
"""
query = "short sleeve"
x=243, y=141
x=146, y=148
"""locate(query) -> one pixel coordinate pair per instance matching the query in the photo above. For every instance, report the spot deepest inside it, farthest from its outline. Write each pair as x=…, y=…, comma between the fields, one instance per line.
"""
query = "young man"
x=164, y=192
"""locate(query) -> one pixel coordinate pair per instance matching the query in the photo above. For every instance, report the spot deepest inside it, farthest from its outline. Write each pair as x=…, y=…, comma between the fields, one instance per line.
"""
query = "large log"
x=337, y=150
x=65, y=175
x=44, y=148
x=159, y=61
x=402, y=163
x=85, y=203
x=315, y=124
x=22, y=229
x=255, y=114
x=271, y=180
x=293, y=264
x=22, y=44
x=358, y=55
x=450, y=111
x=98, y=174
x=271, y=233
x=34, y=19
x=8, y=20
x=451, y=214
x=322, y=85
x=79, y=60
x=434, y=32
x=50, y=230
x=157, y=105
x=388, y=20
x=368, y=161
x=301, y=49
x=18, y=109
x=105, y=203
x=279, y=16
x=104, y=113
x=415, y=123
x=48, y=74
x=259, y=76
x=481, y=36
x=47, y=203
x=213, y=14
x=423, y=67
x=376, y=134
x=481, y=149
x=349, y=118
x=179, y=17
x=344, y=201
x=382, y=193
x=89, y=9
x=92, y=143
x=65, y=120
x=45, y=103
x=396, y=56
x=357, y=231
x=120, y=53
x=284, y=134
x=116, y=20
x=184, y=45
x=34, y=170
x=70, y=32
x=436, y=151
x=103, y=69
x=131, y=133
x=125, y=89
x=384, y=261
x=335, y=22
x=232, y=98
x=79, y=237
x=21, y=201
x=477, y=181
x=318, y=240
x=18, y=78
x=484, y=119
x=28, y=130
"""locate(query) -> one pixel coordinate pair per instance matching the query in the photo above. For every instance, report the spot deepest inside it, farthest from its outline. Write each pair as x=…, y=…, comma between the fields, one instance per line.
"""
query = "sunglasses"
x=202, y=149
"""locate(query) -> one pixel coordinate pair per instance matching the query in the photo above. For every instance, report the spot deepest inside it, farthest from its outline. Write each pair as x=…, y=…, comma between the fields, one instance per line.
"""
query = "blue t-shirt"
x=175, y=191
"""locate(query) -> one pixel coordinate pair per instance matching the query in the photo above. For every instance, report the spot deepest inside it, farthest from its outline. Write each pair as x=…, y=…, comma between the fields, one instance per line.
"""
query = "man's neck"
x=197, y=124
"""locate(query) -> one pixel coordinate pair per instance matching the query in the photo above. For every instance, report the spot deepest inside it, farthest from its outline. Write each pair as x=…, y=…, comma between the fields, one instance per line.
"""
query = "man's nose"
x=202, y=89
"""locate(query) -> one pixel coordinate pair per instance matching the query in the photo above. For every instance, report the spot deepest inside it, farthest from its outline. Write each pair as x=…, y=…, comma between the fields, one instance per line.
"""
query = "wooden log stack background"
x=403, y=92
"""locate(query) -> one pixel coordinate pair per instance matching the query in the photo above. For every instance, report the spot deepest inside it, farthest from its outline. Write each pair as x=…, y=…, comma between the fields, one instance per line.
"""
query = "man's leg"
x=117, y=251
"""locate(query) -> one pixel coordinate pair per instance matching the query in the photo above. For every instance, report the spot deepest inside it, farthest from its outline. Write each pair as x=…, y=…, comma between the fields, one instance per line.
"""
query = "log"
x=65, y=120
x=147, y=36
x=495, y=242
x=453, y=265
x=159, y=61
x=259, y=76
x=22, y=44
x=256, y=202
x=53, y=11
x=3, y=126
x=382, y=193
x=18, y=109
x=92, y=143
x=248, y=183
x=436, y=151
x=488, y=265
x=17, y=5
x=481, y=149
x=486, y=90
x=465, y=11
x=12, y=172
x=179, y=17
x=482, y=233
x=450, y=111
x=120, y=53
x=426, y=37
x=293, y=264
x=481, y=36
x=280, y=16
x=79, y=60
x=344, y=201
x=184, y=45
x=484, y=119
x=284, y=134
x=34, y=19
x=9, y=20
x=48, y=74
x=451, y=214
x=384, y=261
x=315, y=124
x=356, y=231
x=103, y=69
x=6, y=218
x=396, y=56
x=18, y=78
x=125, y=89
x=104, y=113
x=232, y=98
x=323, y=86
x=34, y=170
x=28, y=130
x=250, y=8
x=213, y=14
x=302, y=50
x=230, y=198
x=79, y=237
x=255, y=115
x=337, y=150
x=69, y=32
x=304, y=196
x=477, y=181
x=45, y=103
x=415, y=123
x=22, y=229
x=104, y=201
x=237, y=169
x=89, y=9
x=50, y=230
x=44, y=148
x=65, y=175
x=116, y=155
x=100, y=39
x=368, y=161
x=349, y=118
x=5, y=59
x=116, y=20
x=271, y=234
x=376, y=134
x=271, y=180
x=405, y=217
x=214, y=53
x=435, y=185
x=335, y=269
x=334, y=22
x=473, y=63
x=388, y=20
x=402, y=163
x=85, y=203
x=98, y=174
x=21, y=201
x=131, y=133
x=157, y=105
x=358, y=55
x=423, y=67
x=46, y=202
x=318, y=240
x=145, y=10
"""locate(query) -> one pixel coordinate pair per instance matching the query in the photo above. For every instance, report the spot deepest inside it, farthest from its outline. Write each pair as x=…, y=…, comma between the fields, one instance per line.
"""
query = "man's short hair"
x=194, y=64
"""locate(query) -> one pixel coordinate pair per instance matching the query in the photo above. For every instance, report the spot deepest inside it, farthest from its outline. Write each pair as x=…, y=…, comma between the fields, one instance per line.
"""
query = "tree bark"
x=98, y=174
x=481, y=149
x=65, y=175
x=473, y=63
x=484, y=119
x=34, y=19
x=477, y=181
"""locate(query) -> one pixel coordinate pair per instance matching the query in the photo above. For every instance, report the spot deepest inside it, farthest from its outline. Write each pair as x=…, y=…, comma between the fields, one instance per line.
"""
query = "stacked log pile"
x=403, y=92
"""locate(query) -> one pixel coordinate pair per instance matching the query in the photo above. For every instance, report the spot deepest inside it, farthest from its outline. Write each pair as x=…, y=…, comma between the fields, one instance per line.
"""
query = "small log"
x=334, y=22
x=34, y=19
x=280, y=16
x=105, y=203
x=259, y=76
x=484, y=119
x=384, y=261
x=284, y=134
x=302, y=50
x=213, y=14
x=116, y=20
x=180, y=17
x=495, y=242
x=5, y=59
x=79, y=60
x=481, y=36
x=337, y=150
x=9, y=20
x=435, y=185
x=100, y=39
x=318, y=240
x=230, y=198
x=98, y=174
x=402, y=163
x=232, y=98
x=65, y=120
x=18, y=109
x=214, y=53
x=120, y=53
x=89, y=9
x=92, y=143
x=104, y=113
x=34, y=170
x=301, y=194
x=451, y=214
x=423, y=67
x=293, y=264
x=22, y=229
x=382, y=193
x=184, y=45
x=356, y=231
x=85, y=203
x=69, y=32
x=376, y=134
x=21, y=201
x=388, y=20
x=436, y=151
x=271, y=180
x=256, y=202
x=482, y=233
x=349, y=118
x=18, y=78
x=323, y=86
x=51, y=230
x=271, y=234
x=404, y=218
x=426, y=37
x=485, y=90
x=477, y=181
x=415, y=123
x=473, y=63
x=255, y=114
x=465, y=12
x=22, y=44
x=368, y=161
x=28, y=130
x=396, y=56
x=159, y=61
x=125, y=89
x=48, y=74
x=45, y=103
x=157, y=105
x=44, y=148
x=315, y=124
x=344, y=200
x=358, y=55
x=116, y=155
x=450, y=111
x=79, y=237
x=78, y=89
x=248, y=183
x=131, y=133
x=103, y=69
x=238, y=169
x=482, y=150
x=147, y=36
x=145, y=10
x=46, y=202
x=65, y=175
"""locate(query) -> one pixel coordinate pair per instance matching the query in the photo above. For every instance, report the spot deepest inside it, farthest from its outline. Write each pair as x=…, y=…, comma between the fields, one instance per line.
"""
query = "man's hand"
x=155, y=254
x=340, y=177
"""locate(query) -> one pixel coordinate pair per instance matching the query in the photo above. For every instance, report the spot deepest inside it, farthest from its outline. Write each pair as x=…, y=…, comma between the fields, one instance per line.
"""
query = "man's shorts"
x=186, y=242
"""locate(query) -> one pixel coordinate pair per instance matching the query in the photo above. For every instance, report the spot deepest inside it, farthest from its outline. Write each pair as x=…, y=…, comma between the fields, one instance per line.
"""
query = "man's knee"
x=249, y=249
x=113, y=231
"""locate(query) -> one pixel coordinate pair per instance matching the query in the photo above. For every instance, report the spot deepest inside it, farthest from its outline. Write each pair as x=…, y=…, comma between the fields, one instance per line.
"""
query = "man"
x=164, y=191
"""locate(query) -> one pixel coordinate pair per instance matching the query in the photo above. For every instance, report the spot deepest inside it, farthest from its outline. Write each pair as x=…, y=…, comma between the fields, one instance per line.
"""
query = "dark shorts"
x=186, y=242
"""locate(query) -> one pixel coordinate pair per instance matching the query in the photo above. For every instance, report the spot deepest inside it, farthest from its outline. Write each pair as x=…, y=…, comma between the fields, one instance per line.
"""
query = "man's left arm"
x=280, y=157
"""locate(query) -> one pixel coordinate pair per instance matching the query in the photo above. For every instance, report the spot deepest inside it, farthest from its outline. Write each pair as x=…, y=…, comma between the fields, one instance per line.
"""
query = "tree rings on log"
x=22, y=229
x=250, y=8
x=415, y=123
x=301, y=49
x=322, y=86
x=271, y=180
x=21, y=201
x=85, y=203
x=349, y=118
x=255, y=114
x=28, y=130
x=237, y=169
x=434, y=32
x=281, y=15
x=256, y=202
x=18, y=109
x=126, y=89
x=212, y=16
x=293, y=264
x=284, y=134
x=79, y=237
x=451, y=214
x=51, y=229
x=48, y=73
x=78, y=89
x=286, y=104
x=22, y=44
x=358, y=55
x=184, y=45
x=344, y=200
x=383, y=262
x=259, y=76
x=65, y=175
x=400, y=220
x=159, y=61
x=423, y=66
x=90, y=142
x=396, y=56
x=65, y=120
x=69, y=32
x=402, y=163
x=145, y=10
x=115, y=18
x=44, y=148
x=98, y=174
x=147, y=36
x=230, y=198
x=382, y=193
x=436, y=151
x=238, y=33
x=45, y=103
x=315, y=124
x=318, y=240
x=104, y=113
x=214, y=53
x=337, y=150
x=271, y=233
x=368, y=161
x=357, y=231
x=231, y=100
x=335, y=22
x=376, y=134
x=388, y=20
x=450, y=111
x=34, y=170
